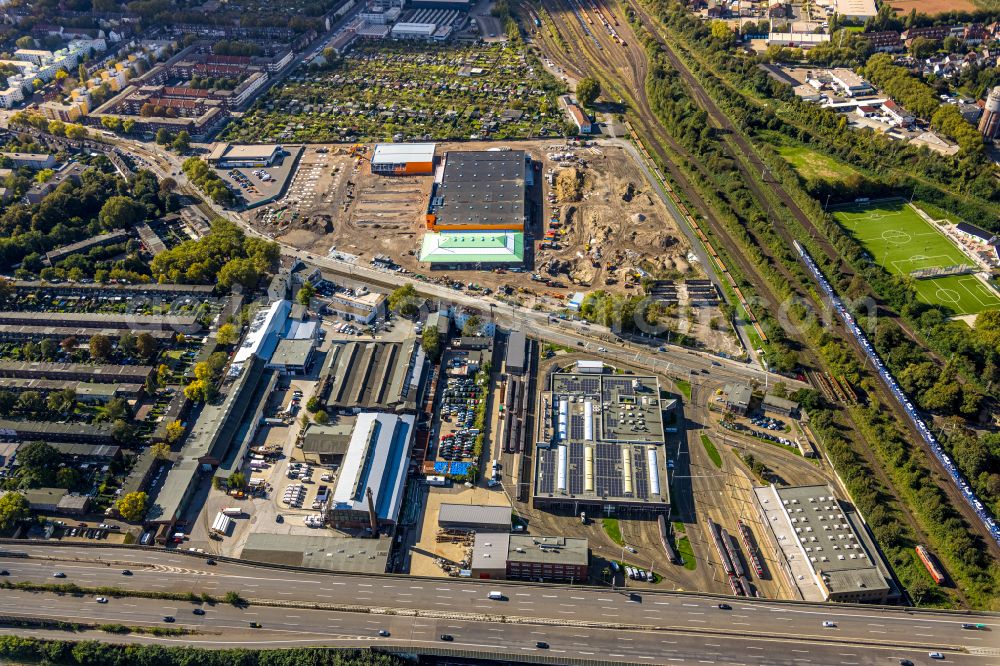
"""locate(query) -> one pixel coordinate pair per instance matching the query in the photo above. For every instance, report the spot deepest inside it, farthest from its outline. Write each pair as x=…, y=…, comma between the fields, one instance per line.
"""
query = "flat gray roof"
x=517, y=344
x=482, y=187
x=333, y=553
x=781, y=403
x=86, y=450
x=126, y=373
x=328, y=439
x=489, y=550
x=292, y=353
x=552, y=550
x=829, y=542
x=102, y=319
x=474, y=514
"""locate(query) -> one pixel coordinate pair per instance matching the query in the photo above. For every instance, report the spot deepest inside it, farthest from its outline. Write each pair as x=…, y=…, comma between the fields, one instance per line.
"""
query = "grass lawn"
x=612, y=529
x=713, y=452
x=815, y=166
x=687, y=553
x=901, y=241
x=684, y=387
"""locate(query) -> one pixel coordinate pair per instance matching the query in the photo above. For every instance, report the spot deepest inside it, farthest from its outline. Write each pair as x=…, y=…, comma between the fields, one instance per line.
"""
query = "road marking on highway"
x=847, y=654
x=601, y=599
x=799, y=651
x=692, y=605
x=582, y=652
x=416, y=587
x=873, y=624
x=674, y=659
x=614, y=654
x=446, y=589
x=742, y=624
x=662, y=603
x=385, y=586
x=550, y=596
x=875, y=631
x=577, y=598
x=567, y=612
x=364, y=585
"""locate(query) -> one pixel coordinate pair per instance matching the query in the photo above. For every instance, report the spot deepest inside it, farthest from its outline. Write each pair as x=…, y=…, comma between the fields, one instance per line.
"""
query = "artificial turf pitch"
x=901, y=241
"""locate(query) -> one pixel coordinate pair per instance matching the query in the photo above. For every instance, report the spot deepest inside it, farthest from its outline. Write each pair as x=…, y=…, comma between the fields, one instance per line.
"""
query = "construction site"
x=592, y=222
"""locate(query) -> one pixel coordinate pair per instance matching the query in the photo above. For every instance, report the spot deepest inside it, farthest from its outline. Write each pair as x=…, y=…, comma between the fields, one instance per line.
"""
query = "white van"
x=496, y=596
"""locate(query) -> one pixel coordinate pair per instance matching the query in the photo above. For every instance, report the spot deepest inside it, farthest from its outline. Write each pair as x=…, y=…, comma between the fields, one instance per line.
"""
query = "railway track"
x=629, y=63
x=735, y=138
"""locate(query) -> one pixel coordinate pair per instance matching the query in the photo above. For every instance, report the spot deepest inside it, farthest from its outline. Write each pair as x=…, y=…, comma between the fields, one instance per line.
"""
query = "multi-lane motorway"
x=578, y=623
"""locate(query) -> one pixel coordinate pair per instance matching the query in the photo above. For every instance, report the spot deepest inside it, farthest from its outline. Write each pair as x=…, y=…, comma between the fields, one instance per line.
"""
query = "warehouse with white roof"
x=403, y=159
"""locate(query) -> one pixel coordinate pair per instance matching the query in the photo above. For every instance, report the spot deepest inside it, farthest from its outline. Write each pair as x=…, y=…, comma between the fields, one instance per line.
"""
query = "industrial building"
x=772, y=404
x=229, y=156
x=516, y=360
x=600, y=445
x=827, y=552
x=403, y=159
x=210, y=443
x=500, y=555
x=856, y=10
x=327, y=444
x=366, y=376
x=316, y=551
x=474, y=517
x=293, y=357
x=369, y=487
x=482, y=190
x=472, y=250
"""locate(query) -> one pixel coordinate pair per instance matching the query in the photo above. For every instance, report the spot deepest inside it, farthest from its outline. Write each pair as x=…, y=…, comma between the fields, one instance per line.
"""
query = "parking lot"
x=256, y=184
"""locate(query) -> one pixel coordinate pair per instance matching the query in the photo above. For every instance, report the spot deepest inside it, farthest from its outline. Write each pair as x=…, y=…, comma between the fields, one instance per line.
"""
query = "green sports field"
x=901, y=241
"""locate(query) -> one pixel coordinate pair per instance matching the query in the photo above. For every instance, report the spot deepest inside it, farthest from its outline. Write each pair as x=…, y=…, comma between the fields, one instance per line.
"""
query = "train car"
x=930, y=564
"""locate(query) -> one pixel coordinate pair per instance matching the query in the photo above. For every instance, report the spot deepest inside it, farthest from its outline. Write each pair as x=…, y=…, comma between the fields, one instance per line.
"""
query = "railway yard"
x=621, y=65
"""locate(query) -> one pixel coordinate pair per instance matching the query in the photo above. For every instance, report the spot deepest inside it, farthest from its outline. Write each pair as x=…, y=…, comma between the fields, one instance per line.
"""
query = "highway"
x=585, y=623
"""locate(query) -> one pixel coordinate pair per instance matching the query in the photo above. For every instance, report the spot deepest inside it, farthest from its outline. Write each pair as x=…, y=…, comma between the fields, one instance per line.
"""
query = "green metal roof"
x=473, y=247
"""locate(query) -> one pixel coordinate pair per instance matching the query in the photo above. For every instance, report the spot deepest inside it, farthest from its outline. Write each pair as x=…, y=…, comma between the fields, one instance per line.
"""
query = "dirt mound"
x=569, y=185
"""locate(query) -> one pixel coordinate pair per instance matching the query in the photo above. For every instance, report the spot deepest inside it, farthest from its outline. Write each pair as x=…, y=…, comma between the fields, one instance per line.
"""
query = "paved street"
x=657, y=626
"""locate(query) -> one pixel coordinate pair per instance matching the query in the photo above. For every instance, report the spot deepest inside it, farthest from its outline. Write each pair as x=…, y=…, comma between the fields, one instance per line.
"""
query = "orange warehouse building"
x=403, y=159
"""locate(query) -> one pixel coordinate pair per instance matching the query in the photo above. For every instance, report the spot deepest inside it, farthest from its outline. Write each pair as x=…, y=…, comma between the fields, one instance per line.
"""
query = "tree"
x=25, y=42
x=145, y=346
x=14, y=508
x=588, y=90
x=128, y=125
x=313, y=404
x=115, y=409
x=132, y=506
x=160, y=450
x=162, y=136
x=126, y=344
x=69, y=343
x=175, y=430
x=473, y=326
x=199, y=391
x=403, y=301
x=62, y=402
x=306, y=294
x=722, y=32
x=74, y=131
x=100, y=347
x=181, y=142
x=321, y=417
x=227, y=334
x=922, y=47
x=31, y=402
x=238, y=480
x=67, y=477
x=121, y=213
x=430, y=340
x=7, y=402
x=239, y=271
x=38, y=456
